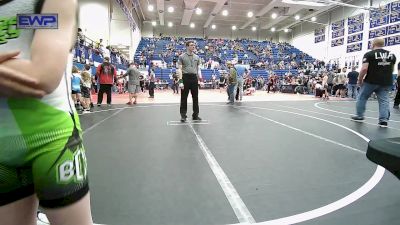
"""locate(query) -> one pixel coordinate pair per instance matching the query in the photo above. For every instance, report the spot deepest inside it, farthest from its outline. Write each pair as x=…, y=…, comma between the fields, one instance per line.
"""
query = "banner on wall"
x=319, y=39
x=393, y=40
x=338, y=33
x=383, y=31
x=355, y=23
x=337, y=42
x=379, y=17
x=319, y=31
x=354, y=38
x=354, y=47
x=395, y=12
x=355, y=28
x=357, y=19
x=393, y=29
x=339, y=25
x=378, y=32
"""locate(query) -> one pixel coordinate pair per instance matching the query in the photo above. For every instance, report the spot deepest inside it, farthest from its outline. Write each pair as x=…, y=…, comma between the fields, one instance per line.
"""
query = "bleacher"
x=163, y=74
x=261, y=73
x=226, y=54
x=208, y=73
x=86, y=54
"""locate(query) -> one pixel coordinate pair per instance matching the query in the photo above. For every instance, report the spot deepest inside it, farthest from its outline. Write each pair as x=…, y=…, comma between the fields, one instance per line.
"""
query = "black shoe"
x=383, y=124
x=196, y=118
x=357, y=118
x=183, y=118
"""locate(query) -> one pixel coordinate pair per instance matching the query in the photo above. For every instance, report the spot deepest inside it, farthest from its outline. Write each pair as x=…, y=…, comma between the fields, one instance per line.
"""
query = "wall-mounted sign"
x=337, y=42
x=338, y=33
x=393, y=40
x=319, y=39
x=379, y=17
x=378, y=32
x=338, y=25
x=354, y=47
x=395, y=12
x=354, y=38
x=319, y=31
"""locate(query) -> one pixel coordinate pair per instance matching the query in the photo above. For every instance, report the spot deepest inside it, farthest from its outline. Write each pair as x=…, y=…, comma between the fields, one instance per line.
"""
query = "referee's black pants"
x=190, y=83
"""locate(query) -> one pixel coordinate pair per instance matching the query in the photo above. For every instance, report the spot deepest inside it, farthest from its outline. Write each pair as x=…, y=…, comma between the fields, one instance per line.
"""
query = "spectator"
x=106, y=73
x=241, y=71
x=133, y=82
x=376, y=76
x=152, y=85
x=352, y=83
x=232, y=81
x=85, y=89
x=76, y=81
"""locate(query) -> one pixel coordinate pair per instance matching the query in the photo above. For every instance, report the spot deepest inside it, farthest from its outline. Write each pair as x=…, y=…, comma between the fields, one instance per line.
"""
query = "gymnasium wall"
x=105, y=19
x=94, y=19
x=220, y=32
x=337, y=48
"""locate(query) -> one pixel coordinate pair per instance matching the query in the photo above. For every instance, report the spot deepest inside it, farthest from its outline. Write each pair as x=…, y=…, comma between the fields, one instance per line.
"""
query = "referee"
x=376, y=76
x=188, y=67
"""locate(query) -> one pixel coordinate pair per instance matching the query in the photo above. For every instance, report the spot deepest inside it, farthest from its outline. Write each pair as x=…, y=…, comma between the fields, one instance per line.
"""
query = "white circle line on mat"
x=341, y=203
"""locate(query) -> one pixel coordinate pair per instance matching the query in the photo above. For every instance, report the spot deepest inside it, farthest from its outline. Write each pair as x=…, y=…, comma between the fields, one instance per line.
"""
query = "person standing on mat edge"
x=376, y=76
x=188, y=67
x=105, y=75
x=397, y=98
x=133, y=82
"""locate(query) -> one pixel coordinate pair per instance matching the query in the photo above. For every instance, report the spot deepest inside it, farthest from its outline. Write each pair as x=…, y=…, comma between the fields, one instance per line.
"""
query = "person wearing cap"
x=376, y=76
x=106, y=73
x=188, y=67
